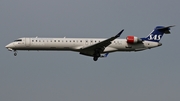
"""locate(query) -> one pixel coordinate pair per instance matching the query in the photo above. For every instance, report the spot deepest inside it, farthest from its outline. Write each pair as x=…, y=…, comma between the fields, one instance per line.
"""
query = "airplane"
x=94, y=47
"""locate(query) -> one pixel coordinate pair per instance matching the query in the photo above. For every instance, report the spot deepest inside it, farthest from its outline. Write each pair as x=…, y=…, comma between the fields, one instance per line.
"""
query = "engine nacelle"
x=133, y=39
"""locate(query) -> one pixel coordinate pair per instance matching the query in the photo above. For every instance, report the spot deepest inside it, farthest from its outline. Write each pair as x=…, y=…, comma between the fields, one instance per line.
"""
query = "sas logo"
x=155, y=37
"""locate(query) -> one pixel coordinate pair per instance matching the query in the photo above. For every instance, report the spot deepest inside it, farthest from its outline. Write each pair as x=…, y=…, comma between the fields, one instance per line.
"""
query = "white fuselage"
x=94, y=47
x=76, y=44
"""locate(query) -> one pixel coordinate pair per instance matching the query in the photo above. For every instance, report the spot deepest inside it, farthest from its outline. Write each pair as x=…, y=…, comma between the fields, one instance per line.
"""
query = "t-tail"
x=157, y=33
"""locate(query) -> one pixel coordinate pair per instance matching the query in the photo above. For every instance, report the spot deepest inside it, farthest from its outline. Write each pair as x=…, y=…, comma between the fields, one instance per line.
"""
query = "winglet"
x=118, y=35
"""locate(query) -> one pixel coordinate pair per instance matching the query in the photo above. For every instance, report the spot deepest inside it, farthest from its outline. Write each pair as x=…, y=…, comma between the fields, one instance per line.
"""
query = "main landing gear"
x=95, y=58
x=96, y=55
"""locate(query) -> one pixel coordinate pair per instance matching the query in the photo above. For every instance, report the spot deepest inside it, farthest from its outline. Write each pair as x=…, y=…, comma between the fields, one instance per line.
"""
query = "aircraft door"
x=27, y=42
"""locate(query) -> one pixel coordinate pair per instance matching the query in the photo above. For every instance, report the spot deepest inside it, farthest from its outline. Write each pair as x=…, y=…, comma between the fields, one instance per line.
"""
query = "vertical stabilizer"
x=157, y=33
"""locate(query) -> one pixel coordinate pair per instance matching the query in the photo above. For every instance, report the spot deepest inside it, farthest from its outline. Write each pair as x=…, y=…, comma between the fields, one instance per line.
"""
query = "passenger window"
x=58, y=40
x=54, y=40
x=32, y=40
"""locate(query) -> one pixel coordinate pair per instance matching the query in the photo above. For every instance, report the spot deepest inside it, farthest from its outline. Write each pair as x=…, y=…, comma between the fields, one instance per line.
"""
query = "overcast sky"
x=150, y=75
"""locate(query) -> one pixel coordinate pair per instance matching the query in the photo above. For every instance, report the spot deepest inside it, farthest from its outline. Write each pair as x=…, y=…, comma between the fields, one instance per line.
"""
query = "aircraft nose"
x=10, y=46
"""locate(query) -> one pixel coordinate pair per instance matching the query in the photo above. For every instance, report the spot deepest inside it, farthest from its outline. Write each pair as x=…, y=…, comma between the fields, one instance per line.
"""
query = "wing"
x=99, y=46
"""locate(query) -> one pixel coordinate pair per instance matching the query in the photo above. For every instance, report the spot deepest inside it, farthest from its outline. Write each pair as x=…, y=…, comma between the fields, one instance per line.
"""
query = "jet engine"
x=133, y=39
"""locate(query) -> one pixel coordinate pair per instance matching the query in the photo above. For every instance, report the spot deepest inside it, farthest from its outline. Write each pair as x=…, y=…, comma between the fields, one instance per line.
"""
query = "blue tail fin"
x=157, y=33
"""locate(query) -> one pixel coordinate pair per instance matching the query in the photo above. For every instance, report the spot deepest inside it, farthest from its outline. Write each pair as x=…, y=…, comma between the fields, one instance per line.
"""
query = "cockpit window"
x=17, y=40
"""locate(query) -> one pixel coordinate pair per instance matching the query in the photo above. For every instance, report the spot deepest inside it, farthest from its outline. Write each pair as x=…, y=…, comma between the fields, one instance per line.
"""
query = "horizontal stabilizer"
x=165, y=29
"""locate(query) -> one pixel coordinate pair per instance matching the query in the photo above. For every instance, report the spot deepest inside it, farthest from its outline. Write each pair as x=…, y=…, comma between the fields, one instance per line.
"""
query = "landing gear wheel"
x=95, y=58
x=15, y=54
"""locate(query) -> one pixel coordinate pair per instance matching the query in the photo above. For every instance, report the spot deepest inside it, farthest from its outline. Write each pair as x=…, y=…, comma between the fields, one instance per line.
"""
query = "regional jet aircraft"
x=94, y=47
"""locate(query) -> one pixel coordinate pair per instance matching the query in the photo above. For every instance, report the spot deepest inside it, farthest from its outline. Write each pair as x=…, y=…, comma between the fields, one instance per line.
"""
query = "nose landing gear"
x=15, y=53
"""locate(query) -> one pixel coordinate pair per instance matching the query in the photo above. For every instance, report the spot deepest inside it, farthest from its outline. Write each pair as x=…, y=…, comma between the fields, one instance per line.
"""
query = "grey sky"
x=151, y=75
